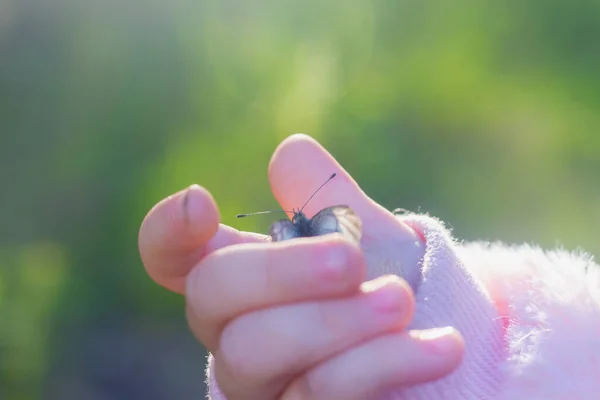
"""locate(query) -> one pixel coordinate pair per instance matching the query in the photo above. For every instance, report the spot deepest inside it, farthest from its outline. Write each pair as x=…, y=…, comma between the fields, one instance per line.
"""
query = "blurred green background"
x=485, y=114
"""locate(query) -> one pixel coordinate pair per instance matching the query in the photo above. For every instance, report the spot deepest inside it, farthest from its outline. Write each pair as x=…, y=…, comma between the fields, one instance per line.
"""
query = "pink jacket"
x=530, y=319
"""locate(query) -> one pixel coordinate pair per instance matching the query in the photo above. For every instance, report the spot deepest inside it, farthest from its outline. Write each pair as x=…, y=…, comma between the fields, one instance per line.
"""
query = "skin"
x=309, y=318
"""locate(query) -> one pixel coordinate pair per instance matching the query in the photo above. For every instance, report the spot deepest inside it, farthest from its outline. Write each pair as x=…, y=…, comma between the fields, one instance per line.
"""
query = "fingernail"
x=333, y=263
x=192, y=207
x=387, y=295
x=440, y=341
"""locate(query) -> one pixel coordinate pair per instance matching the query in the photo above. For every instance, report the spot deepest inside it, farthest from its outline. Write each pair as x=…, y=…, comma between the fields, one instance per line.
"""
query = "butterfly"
x=339, y=218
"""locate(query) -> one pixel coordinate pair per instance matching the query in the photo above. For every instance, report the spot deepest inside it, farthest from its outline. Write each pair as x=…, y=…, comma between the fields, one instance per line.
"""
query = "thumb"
x=300, y=165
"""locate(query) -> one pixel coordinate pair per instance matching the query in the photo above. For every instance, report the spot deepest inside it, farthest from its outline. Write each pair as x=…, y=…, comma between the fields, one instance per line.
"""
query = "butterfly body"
x=302, y=224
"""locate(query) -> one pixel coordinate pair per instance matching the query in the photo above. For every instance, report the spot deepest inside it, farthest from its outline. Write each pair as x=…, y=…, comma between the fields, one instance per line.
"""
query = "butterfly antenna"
x=261, y=212
x=313, y=195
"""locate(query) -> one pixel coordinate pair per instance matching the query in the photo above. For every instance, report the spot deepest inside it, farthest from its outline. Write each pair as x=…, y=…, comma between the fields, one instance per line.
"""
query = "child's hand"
x=293, y=320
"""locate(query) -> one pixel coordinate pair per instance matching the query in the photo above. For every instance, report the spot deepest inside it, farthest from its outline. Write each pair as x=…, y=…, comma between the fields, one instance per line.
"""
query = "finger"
x=179, y=231
x=300, y=165
x=390, y=362
x=239, y=279
x=262, y=351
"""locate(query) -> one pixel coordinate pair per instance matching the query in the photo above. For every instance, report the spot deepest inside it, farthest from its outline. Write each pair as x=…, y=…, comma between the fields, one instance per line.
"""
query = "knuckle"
x=194, y=292
x=278, y=276
x=331, y=321
x=269, y=272
x=201, y=284
x=308, y=386
x=237, y=356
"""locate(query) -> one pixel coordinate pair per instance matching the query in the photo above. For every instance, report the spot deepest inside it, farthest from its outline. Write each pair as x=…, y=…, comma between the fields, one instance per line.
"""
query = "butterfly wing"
x=283, y=230
x=340, y=219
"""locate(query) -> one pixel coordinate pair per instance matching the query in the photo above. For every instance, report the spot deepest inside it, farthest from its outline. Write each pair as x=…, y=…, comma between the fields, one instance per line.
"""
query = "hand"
x=294, y=320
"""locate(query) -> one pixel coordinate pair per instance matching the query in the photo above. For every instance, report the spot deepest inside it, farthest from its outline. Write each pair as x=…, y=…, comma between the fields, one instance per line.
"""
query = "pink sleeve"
x=448, y=294
x=513, y=320
x=214, y=393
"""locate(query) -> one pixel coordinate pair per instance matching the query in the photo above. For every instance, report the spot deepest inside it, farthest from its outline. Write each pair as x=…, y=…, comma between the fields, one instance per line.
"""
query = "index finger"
x=179, y=231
